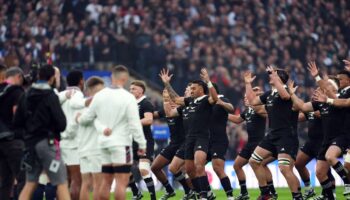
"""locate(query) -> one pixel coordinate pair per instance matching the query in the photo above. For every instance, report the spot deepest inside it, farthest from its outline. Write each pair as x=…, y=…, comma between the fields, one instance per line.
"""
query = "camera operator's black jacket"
x=40, y=114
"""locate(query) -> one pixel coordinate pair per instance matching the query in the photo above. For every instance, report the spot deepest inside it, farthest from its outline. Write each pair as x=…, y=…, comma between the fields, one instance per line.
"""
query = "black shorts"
x=180, y=153
x=281, y=144
x=217, y=150
x=340, y=141
x=170, y=151
x=312, y=148
x=248, y=149
x=194, y=144
x=149, y=150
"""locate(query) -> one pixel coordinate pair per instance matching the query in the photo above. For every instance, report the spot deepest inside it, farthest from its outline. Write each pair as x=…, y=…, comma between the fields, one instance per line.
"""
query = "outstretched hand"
x=313, y=68
x=248, y=77
x=347, y=64
x=204, y=75
x=292, y=88
x=165, y=76
x=319, y=96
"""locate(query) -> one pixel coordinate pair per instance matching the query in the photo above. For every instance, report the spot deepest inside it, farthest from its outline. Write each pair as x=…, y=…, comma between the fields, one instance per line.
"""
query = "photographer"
x=11, y=147
x=40, y=114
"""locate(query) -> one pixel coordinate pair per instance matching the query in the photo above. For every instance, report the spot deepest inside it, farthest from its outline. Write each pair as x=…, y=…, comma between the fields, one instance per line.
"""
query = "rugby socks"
x=196, y=186
x=264, y=190
x=182, y=180
x=331, y=178
x=203, y=185
x=339, y=168
x=307, y=184
x=226, y=184
x=327, y=189
x=297, y=196
x=168, y=187
x=133, y=186
x=243, y=186
x=150, y=187
x=271, y=187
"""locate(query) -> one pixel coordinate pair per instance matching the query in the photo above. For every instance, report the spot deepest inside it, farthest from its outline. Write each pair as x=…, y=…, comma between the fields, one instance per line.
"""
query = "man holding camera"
x=11, y=147
x=39, y=113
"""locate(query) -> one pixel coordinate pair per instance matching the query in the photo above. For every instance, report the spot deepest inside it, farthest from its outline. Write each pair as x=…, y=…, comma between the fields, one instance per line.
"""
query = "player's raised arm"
x=166, y=77
x=213, y=95
x=323, y=84
x=250, y=94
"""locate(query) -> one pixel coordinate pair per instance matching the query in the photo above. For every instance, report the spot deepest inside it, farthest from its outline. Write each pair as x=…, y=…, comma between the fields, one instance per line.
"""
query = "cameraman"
x=11, y=145
x=40, y=114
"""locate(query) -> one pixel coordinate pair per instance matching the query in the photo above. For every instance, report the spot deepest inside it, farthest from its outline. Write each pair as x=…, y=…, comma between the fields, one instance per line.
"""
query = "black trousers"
x=11, y=153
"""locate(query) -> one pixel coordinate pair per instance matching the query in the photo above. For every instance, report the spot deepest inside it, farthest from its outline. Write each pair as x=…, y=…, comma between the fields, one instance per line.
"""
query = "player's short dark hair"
x=202, y=84
x=140, y=84
x=94, y=81
x=74, y=77
x=344, y=72
x=283, y=75
x=46, y=72
x=119, y=69
x=216, y=88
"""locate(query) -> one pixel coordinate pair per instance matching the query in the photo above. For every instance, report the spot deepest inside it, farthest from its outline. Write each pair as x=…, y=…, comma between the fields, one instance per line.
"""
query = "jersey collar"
x=199, y=98
x=220, y=95
x=73, y=88
x=274, y=90
x=140, y=99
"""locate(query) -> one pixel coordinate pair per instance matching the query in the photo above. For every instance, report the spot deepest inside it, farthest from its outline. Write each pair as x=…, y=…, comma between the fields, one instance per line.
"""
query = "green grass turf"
x=283, y=194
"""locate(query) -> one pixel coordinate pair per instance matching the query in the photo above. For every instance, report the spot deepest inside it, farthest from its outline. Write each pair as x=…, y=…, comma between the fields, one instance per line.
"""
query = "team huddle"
x=105, y=135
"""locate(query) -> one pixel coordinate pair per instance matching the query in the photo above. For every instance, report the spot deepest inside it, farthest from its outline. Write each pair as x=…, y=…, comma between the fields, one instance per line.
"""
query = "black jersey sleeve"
x=263, y=97
x=161, y=113
x=315, y=106
x=242, y=115
x=179, y=110
x=187, y=101
x=148, y=107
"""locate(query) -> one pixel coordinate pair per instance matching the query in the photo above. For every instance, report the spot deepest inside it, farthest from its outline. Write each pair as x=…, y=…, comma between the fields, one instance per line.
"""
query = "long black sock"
x=339, y=168
x=196, y=186
x=133, y=186
x=297, y=196
x=331, y=179
x=168, y=187
x=150, y=186
x=243, y=186
x=182, y=180
x=226, y=184
x=202, y=182
x=264, y=190
x=271, y=187
x=307, y=182
x=327, y=189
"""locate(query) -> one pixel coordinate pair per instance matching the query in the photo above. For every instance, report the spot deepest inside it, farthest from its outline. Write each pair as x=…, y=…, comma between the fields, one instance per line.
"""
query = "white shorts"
x=117, y=155
x=70, y=156
x=91, y=164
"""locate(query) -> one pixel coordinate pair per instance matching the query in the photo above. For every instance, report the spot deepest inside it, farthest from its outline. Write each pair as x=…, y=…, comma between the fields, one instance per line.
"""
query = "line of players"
x=197, y=124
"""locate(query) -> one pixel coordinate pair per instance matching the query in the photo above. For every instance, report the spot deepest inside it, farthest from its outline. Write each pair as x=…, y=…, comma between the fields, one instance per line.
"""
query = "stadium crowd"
x=227, y=37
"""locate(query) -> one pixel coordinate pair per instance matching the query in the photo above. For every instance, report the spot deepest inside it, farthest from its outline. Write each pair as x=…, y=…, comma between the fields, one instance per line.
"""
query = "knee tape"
x=347, y=158
x=256, y=157
x=145, y=166
x=107, y=169
x=283, y=161
x=122, y=169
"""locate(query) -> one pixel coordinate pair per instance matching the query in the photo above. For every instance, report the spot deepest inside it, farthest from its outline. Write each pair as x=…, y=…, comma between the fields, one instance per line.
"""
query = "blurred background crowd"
x=226, y=36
